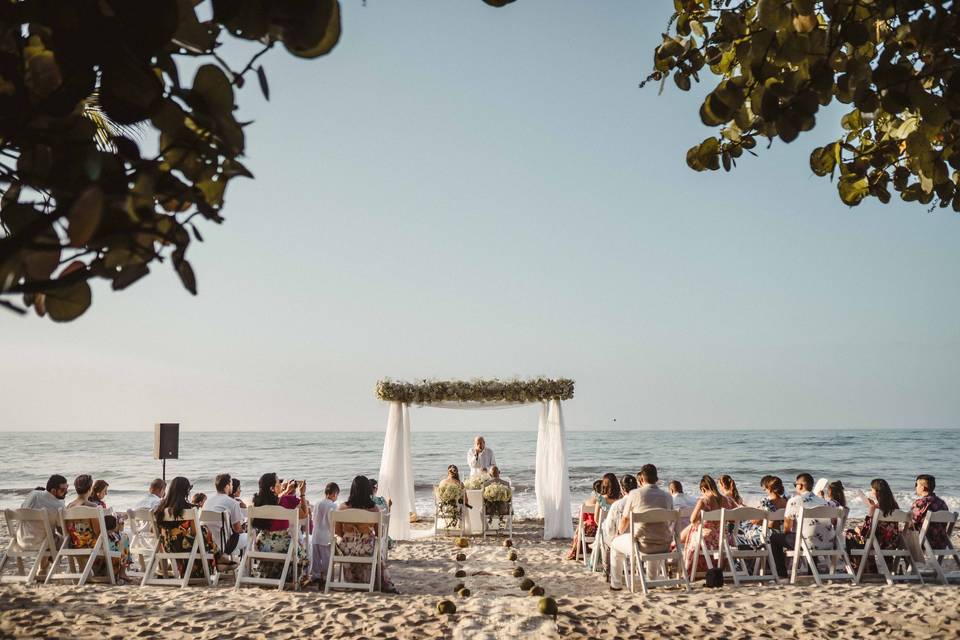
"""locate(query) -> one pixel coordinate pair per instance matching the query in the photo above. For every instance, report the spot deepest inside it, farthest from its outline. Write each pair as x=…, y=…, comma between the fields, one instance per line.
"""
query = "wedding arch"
x=552, y=483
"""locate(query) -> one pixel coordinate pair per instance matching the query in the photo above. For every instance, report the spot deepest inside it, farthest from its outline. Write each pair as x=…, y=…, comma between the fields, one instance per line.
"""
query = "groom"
x=480, y=458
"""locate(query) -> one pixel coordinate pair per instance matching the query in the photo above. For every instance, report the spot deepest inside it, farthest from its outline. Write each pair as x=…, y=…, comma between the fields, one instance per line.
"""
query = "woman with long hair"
x=360, y=539
x=752, y=532
x=729, y=488
x=273, y=535
x=834, y=494
x=711, y=499
x=609, y=493
x=589, y=519
x=888, y=533
x=176, y=534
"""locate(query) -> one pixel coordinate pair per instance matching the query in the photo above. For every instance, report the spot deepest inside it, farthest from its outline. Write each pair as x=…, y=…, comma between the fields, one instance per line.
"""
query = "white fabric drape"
x=396, y=470
x=552, y=460
x=539, y=470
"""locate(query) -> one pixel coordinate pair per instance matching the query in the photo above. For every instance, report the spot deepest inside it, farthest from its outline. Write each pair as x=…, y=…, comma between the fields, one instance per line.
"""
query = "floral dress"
x=710, y=532
x=750, y=534
x=270, y=540
x=84, y=536
x=355, y=541
x=937, y=531
x=178, y=537
x=888, y=535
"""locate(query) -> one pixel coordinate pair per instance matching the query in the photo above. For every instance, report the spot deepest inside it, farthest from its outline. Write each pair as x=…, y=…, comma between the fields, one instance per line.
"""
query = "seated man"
x=51, y=499
x=680, y=499
x=495, y=477
x=232, y=540
x=154, y=495
x=653, y=537
x=820, y=534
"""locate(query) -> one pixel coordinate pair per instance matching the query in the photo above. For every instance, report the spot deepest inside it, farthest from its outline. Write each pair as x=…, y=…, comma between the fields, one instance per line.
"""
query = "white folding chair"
x=384, y=527
x=163, y=558
x=288, y=557
x=490, y=518
x=219, y=521
x=143, y=539
x=902, y=561
x=935, y=557
x=337, y=560
x=31, y=539
x=712, y=557
x=446, y=528
x=732, y=518
x=773, y=520
x=834, y=554
x=581, y=551
x=636, y=565
x=69, y=519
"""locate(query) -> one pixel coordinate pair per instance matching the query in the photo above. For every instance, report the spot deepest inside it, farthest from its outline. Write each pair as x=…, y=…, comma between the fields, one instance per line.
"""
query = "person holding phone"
x=273, y=536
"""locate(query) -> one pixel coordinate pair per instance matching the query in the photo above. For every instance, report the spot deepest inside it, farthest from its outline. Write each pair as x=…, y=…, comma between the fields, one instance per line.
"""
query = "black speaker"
x=166, y=440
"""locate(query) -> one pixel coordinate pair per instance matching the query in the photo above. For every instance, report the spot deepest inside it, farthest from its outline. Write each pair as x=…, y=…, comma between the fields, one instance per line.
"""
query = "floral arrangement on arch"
x=496, y=501
x=478, y=390
x=449, y=498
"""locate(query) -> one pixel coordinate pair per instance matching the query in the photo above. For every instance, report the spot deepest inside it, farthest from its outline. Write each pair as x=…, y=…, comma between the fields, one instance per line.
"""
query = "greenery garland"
x=478, y=390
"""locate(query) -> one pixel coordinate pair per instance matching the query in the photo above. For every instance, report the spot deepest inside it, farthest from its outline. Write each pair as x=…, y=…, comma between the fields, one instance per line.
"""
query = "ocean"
x=126, y=461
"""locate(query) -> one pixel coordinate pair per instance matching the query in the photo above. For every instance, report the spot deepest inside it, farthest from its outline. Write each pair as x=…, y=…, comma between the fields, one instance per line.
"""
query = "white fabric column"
x=540, y=477
x=408, y=463
x=394, y=467
x=557, y=521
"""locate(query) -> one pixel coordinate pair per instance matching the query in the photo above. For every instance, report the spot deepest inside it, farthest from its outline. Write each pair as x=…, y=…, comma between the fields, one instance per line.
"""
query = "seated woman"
x=99, y=493
x=273, y=536
x=83, y=485
x=83, y=534
x=445, y=496
x=710, y=500
x=751, y=534
x=178, y=535
x=382, y=503
x=888, y=533
x=235, y=493
x=834, y=494
x=729, y=488
x=198, y=500
x=589, y=520
x=359, y=539
x=609, y=493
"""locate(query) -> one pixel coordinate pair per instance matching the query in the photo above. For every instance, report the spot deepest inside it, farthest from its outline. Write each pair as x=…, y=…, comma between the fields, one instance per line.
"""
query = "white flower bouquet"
x=476, y=482
x=497, y=493
x=449, y=498
x=496, y=501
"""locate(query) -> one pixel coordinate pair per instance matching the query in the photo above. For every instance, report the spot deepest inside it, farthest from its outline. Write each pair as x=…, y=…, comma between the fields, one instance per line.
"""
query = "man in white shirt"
x=680, y=499
x=321, y=531
x=480, y=458
x=154, y=495
x=223, y=502
x=50, y=499
x=654, y=537
x=820, y=534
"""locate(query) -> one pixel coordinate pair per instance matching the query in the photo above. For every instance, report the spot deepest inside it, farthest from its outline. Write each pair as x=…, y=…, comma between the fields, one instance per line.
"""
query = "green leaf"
x=187, y=277
x=316, y=30
x=264, y=87
x=212, y=85
x=68, y=303
x=823, y=160
x=853, y=189
x=84, y=216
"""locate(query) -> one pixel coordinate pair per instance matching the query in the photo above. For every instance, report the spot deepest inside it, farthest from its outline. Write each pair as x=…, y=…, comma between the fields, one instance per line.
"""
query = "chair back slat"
x=355, y=516
x=652, y=516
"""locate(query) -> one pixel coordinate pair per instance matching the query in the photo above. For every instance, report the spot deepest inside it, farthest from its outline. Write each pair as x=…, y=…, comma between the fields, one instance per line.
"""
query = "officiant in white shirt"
x=480, y=458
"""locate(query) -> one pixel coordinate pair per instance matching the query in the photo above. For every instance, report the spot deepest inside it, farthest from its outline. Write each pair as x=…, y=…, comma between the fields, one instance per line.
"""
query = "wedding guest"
x=609, y=493
x=653, y=537
x=154, y=495
x=234, y=538
x=49, y=498
x=178, y=535
x=834, y=494
x=118, y=542
x=820, y=534
x=680, y=499
x=751, y=535
x=928, y=501
x=235, y=494
x=453, y=477
x=887, y=533
x=729, y=488
x=99, y=493
x=321, y=532
x=359, y=539
x=382, y=503
x=273, y=536
x=711, y=499
x=609, y=528
x=495, y=477
x=589, y=520
x=83, y=485
x=198, y=500
x=480, y=458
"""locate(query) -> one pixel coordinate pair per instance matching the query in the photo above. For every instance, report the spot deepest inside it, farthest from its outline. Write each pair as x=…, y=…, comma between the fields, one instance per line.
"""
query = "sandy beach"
x=424, y=570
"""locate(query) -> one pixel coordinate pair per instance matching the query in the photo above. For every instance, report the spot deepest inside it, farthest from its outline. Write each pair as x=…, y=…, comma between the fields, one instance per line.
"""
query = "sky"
x=459, y=191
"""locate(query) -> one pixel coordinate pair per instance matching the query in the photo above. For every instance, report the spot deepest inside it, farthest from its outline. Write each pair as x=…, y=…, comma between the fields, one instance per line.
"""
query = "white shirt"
x=683, y=501
x=31, y=533
x=149, y=501
x=480, y=462
x=321, y=520
x=818, y=533
x=222, y=503
x=612, y=520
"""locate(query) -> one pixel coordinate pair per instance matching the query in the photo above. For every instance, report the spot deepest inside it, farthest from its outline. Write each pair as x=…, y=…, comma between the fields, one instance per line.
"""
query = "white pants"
x=321, y=560
x=620, y=551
